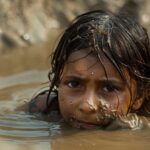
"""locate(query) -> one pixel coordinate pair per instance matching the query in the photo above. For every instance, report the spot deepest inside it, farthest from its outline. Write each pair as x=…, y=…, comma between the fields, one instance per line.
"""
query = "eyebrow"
x=103, y=80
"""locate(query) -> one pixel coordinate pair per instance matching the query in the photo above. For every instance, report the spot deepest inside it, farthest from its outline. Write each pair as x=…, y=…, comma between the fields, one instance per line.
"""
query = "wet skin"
x=87, y=97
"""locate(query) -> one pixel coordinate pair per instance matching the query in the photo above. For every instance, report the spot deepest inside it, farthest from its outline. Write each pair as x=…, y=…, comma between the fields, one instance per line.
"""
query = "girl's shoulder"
x=39, y=103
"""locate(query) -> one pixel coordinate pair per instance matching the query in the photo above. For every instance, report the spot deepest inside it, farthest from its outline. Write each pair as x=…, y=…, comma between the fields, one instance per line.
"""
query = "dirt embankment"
x=29, y=29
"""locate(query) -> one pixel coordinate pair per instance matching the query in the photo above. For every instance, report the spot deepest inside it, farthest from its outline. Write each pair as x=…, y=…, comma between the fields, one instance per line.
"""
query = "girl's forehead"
x=87, y=61
x=92, y=58
x=82, y=54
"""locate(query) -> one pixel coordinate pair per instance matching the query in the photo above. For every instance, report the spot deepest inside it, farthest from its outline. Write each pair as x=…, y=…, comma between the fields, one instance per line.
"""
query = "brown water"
x=22, y=74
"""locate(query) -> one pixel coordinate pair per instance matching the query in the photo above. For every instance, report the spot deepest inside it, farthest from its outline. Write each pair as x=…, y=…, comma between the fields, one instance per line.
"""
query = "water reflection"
x=26, y=126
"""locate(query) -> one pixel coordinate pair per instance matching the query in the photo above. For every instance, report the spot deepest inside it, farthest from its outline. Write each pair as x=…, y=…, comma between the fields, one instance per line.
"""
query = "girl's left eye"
x=110, y=88
x=73, y=84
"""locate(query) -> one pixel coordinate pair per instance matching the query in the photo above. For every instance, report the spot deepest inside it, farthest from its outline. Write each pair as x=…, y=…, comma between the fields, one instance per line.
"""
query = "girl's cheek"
x=65, y=102
x=118, y=103
x=123, y=106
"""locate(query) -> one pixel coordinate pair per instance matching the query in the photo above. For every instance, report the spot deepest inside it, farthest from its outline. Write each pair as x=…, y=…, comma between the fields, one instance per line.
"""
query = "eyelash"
x=70, y=84
x=110, y=88
x=107, y=88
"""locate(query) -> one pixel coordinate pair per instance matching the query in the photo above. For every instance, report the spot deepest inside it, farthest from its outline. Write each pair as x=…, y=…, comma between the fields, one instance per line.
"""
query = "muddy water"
x=22, y=74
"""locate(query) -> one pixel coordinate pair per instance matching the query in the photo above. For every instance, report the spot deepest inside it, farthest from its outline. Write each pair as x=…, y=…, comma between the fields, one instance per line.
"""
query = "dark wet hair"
x=119, y=38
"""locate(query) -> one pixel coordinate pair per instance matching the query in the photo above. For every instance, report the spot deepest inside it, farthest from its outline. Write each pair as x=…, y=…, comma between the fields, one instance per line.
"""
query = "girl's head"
x=100, y=68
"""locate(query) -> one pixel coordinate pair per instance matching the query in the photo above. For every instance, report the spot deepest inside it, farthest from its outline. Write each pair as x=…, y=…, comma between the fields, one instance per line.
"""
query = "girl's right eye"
x=73, y=84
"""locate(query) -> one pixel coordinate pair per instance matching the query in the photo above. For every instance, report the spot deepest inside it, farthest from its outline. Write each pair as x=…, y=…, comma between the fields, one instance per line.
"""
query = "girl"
x=100, y=72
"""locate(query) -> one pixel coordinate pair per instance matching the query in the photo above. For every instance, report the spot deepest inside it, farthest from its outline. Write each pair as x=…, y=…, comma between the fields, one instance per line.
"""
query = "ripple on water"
x=21, y=126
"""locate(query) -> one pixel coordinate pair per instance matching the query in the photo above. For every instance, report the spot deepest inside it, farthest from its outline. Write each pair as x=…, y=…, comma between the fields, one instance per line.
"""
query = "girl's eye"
x=110, y=88
x=73, y=84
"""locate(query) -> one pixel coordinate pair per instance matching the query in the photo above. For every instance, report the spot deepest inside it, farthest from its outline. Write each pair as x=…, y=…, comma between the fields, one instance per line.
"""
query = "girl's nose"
x=86, y=107
x=89, y=104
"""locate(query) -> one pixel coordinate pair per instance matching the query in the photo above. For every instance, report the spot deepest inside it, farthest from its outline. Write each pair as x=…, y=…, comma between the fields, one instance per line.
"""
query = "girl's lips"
x=87, y=125
x=86, y=122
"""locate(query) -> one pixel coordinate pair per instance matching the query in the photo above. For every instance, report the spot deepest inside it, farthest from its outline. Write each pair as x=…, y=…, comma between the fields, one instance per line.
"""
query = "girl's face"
x=89, y=95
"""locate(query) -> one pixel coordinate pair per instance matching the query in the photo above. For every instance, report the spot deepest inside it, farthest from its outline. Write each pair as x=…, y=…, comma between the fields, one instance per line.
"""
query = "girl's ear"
x=138, y=102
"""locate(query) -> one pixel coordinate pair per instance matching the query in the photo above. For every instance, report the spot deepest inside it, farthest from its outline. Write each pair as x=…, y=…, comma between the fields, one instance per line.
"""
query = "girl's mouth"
x=84, y=124
x=87, y=125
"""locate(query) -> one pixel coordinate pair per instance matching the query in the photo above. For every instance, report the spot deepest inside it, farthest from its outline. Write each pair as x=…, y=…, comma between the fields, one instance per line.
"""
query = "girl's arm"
x=38, y=104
